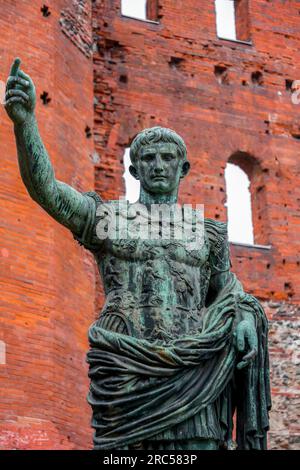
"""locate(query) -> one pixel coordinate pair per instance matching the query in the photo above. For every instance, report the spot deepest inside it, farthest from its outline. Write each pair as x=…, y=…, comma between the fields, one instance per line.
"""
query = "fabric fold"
x=140, y=388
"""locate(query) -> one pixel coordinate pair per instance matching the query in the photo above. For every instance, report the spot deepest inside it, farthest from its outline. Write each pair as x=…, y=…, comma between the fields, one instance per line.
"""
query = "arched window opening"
x=232, y=19
x=239, y=212
x=246, y=200
x=145, y=10
x=132, y=186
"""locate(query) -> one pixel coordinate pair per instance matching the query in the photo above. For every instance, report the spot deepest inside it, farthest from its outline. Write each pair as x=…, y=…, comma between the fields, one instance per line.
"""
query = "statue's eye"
x=148, y=157
x=167, y=156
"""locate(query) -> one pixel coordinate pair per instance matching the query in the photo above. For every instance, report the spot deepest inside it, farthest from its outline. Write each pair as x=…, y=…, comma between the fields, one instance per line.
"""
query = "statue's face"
x=159, y=167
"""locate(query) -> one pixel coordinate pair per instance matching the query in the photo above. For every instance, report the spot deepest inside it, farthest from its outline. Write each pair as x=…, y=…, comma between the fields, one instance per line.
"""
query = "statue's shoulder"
x=215, y=227
x=216, y=231
x=98, y=211
x=111, y=205
x=92, y=194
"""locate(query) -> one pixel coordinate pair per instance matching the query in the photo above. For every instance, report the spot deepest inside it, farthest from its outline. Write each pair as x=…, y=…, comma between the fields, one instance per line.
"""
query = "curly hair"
x=155, y=135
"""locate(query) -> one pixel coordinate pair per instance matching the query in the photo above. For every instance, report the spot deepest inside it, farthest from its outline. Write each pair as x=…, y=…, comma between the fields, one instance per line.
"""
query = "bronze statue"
x=179, y=346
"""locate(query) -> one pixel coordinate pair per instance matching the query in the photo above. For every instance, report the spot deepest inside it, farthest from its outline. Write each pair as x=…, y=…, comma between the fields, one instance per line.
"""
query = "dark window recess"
x=175, y=62
x=46, y=11
x=221, y=74
x=289, y=84
x=123, y=78
x=257, y=78
x=88, y=132
x=45, y=97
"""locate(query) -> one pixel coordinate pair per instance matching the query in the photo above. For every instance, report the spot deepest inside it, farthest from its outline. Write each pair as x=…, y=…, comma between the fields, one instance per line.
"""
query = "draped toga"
x=162, y=359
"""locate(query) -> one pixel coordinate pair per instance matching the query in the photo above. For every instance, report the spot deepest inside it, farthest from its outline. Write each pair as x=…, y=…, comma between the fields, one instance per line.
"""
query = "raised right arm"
x=61, y=201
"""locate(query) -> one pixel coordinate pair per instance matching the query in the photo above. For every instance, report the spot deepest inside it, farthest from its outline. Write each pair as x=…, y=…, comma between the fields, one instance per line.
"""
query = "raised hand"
x=20, y=98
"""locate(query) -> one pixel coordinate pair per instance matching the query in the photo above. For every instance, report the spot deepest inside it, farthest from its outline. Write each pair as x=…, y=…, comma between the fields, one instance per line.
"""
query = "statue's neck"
x=147, y=198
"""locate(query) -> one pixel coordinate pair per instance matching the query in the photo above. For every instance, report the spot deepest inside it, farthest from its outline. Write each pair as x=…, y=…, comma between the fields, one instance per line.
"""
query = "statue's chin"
x=160, y=187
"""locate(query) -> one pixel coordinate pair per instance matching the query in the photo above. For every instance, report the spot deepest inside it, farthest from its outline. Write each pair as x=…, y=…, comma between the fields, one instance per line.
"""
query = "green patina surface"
x=179, y=346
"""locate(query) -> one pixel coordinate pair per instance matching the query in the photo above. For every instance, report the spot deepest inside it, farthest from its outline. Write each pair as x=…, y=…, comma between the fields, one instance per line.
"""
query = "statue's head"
x=159, y=159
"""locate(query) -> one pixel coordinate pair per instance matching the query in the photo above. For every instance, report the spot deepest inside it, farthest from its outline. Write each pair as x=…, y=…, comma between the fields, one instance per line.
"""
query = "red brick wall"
x=47, y=279
x=139, y=84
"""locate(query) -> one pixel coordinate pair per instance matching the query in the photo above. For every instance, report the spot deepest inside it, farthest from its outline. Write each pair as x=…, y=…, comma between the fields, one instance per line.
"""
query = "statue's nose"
x=158, y=169
x=158, y=165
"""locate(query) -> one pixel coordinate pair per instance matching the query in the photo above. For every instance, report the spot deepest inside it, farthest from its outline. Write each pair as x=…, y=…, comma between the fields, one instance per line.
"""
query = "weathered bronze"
x=179, y=346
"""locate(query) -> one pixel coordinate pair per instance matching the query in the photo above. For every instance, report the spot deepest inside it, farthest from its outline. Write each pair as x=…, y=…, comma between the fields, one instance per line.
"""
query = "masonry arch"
x=246, y=200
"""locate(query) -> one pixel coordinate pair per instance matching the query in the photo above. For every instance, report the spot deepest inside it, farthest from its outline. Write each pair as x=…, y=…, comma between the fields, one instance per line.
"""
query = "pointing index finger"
x=15, y=67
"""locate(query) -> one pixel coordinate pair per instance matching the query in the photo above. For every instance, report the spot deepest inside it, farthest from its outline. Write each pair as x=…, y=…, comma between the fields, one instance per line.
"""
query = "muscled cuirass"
x=157, y=287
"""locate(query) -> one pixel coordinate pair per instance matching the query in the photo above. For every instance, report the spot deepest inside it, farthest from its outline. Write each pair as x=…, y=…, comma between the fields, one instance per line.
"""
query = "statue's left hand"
x=246, y=342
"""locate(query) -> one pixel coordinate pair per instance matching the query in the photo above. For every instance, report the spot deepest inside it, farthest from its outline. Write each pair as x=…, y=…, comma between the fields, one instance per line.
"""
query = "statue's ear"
x=185, y=169
x=133, y=172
